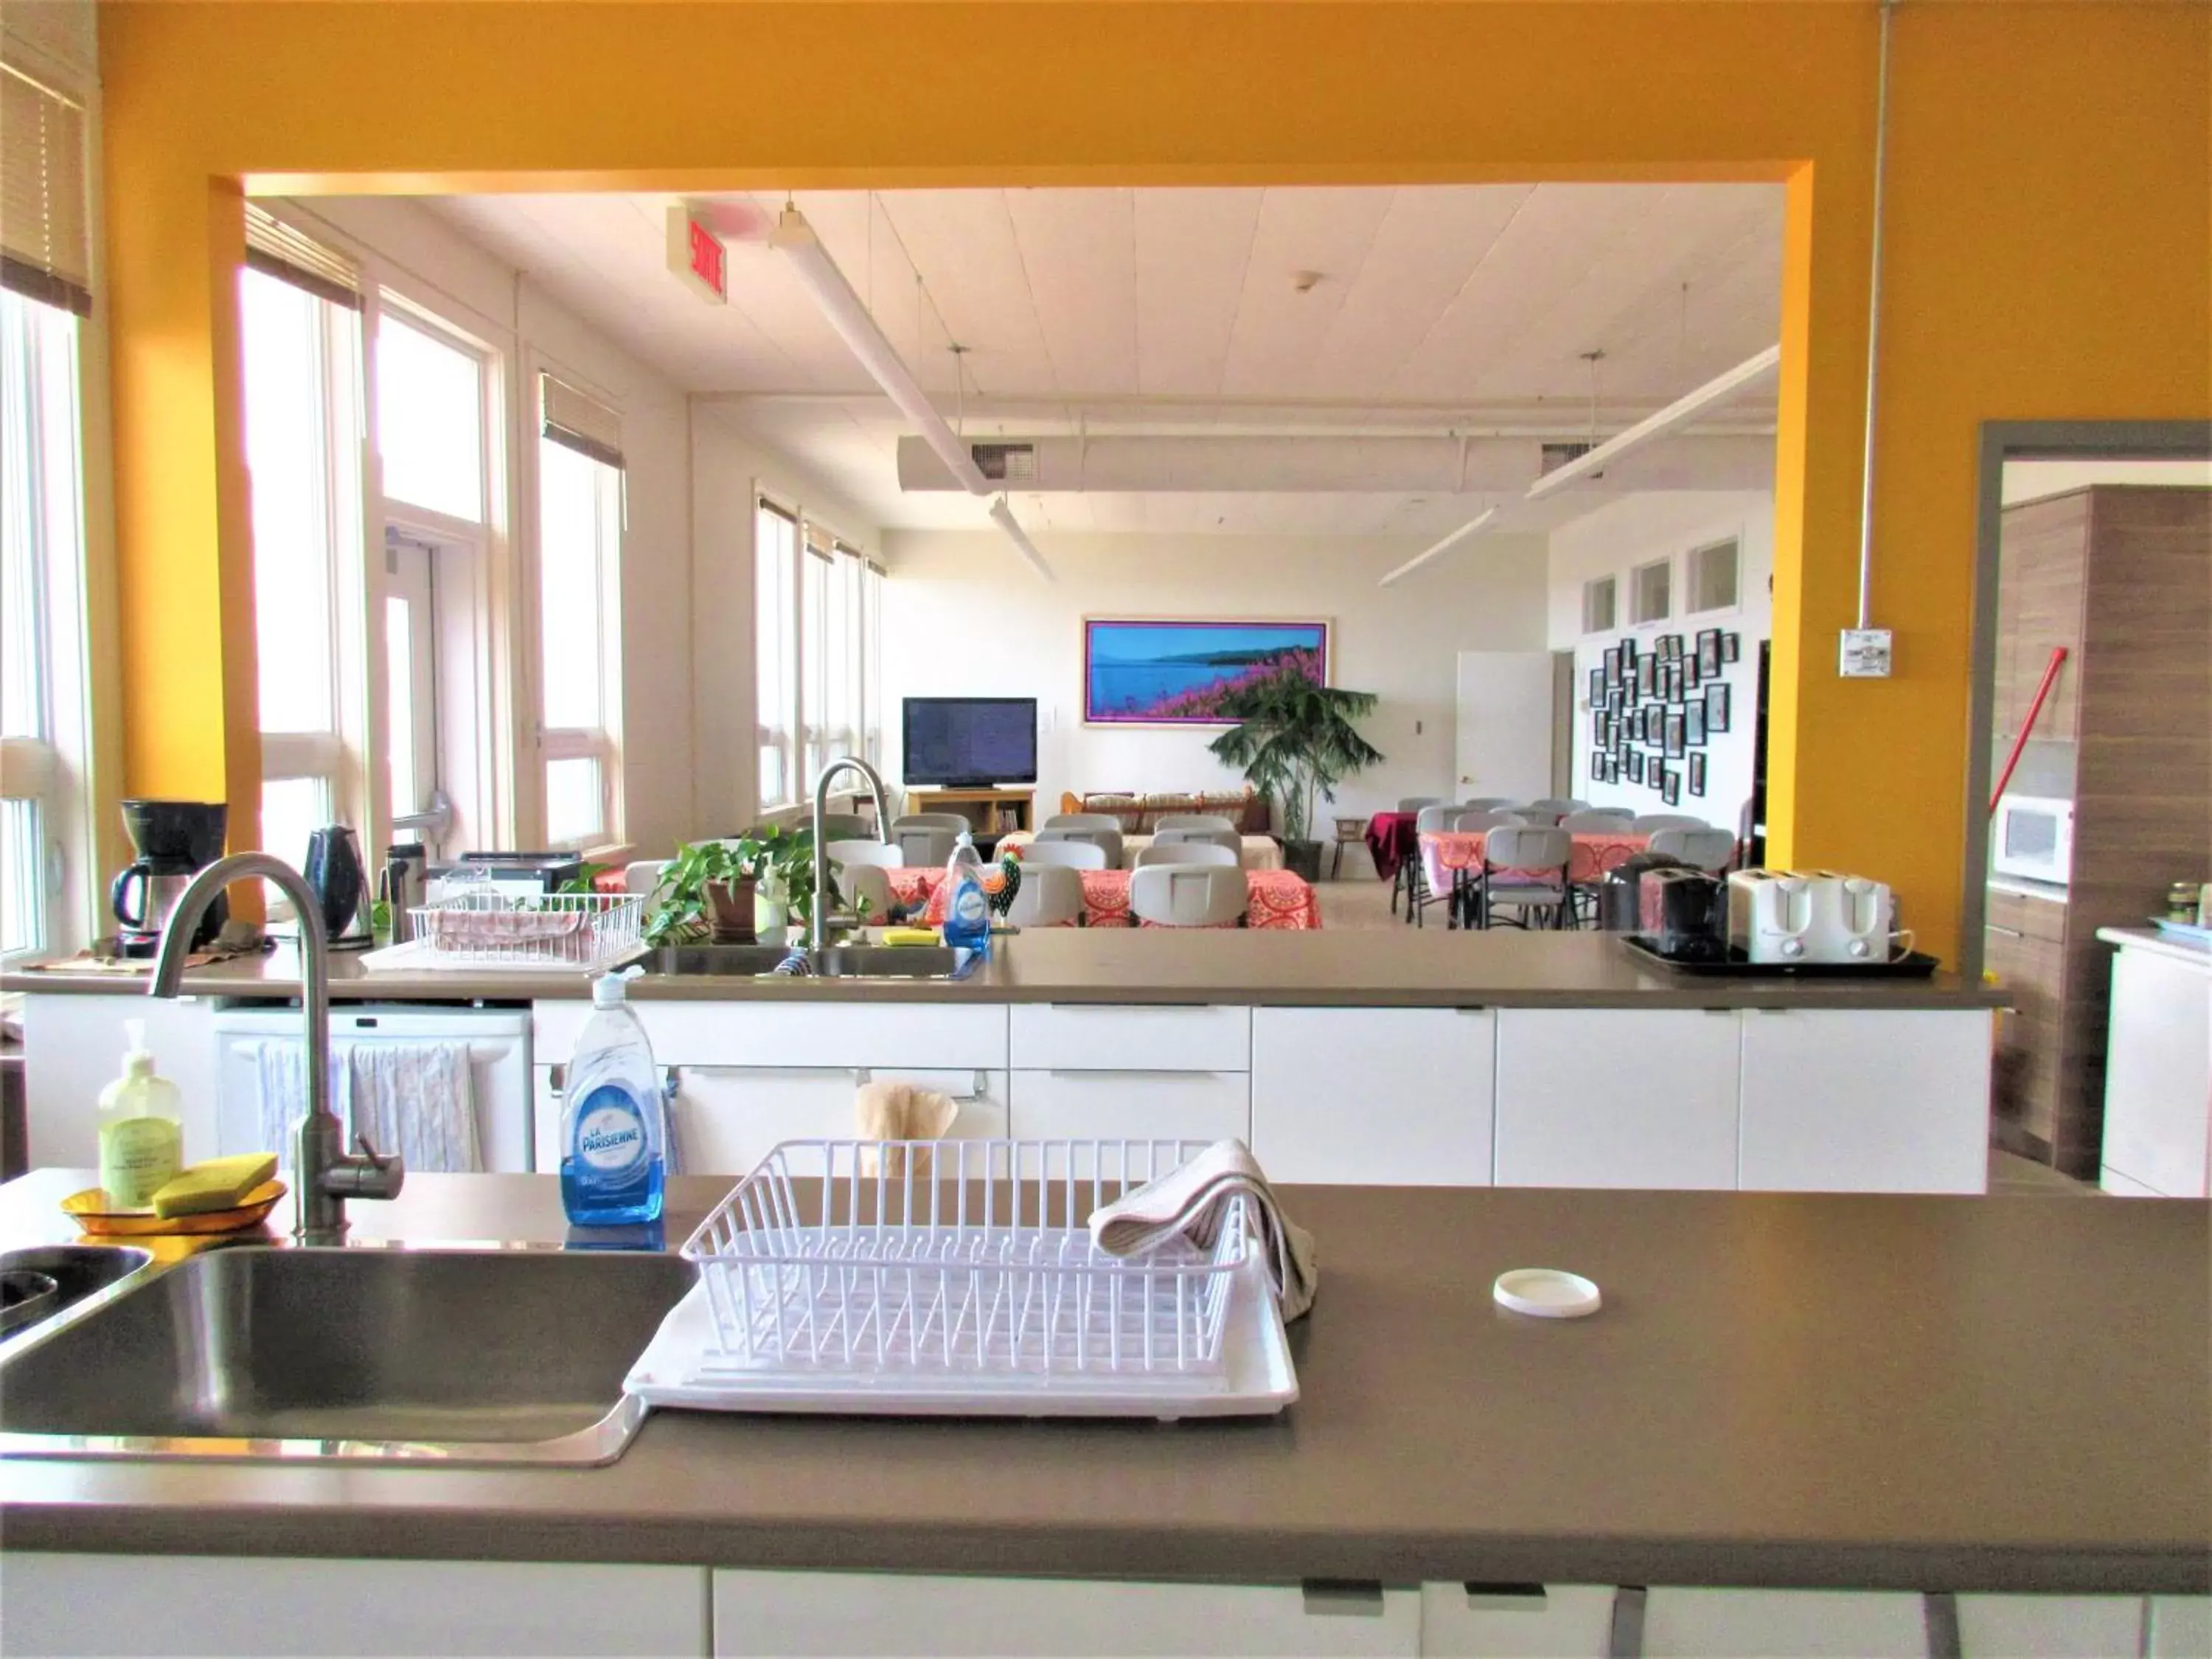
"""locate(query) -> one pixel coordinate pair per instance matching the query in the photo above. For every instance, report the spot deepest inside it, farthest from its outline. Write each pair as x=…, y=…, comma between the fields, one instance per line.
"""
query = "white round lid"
x=1546, y=1293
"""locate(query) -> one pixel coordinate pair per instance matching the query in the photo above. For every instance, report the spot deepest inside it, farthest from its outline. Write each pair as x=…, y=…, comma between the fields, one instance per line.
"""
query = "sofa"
x=1139, y=815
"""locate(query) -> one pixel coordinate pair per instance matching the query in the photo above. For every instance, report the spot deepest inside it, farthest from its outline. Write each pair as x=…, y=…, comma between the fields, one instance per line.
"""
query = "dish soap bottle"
x=142, y=1132
x=613, y=1130
x=967, y=906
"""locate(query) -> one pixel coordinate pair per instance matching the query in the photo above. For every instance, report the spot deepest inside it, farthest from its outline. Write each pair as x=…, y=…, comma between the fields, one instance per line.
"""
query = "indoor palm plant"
x=1296, y=742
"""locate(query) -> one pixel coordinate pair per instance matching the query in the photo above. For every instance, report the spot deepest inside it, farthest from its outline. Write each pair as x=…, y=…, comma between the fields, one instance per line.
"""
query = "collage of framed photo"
x=1657, y=702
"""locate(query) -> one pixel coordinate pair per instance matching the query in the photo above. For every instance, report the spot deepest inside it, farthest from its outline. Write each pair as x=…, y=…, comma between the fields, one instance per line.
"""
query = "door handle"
x=1341, y=1598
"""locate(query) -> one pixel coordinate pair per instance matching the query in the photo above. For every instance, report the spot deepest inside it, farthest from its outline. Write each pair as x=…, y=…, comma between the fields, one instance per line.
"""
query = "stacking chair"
x=1050, y=895
x=923, y=845
x=1428, y=884
x=1525, y=867
x=1709, y=849
x=1062, y=856
x=865, y=881
x=1189, y=853
x=1600, y=820
x=1082, y=821
x=952, y=821
x=642, y=875
x=1107, y=839
x=1403, y=881
x=1183, y=835
x=1415, y=802
x=1470, y=821
x=1535, y=815
x=1195, y=820
x=883, y=854
x=1651, y=823
x=843, y=826
x=1559, y=805
x=1489, y=804
x=1189, y=895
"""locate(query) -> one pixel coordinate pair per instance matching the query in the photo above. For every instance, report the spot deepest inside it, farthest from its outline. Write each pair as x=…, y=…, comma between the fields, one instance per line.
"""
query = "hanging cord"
x=1873, y=320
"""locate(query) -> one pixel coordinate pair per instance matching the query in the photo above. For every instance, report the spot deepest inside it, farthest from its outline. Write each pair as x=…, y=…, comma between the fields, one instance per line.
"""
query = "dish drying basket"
x=486, y=928
x=952, y=1258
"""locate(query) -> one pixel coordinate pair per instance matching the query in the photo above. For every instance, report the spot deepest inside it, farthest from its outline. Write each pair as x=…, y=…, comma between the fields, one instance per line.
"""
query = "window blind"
x=276, y=249
x=578, y=421
x=769, y=506
x=819, y=542
x=45, y=245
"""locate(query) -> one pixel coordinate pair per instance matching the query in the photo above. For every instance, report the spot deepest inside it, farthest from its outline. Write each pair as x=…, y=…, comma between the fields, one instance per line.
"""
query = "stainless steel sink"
x=485, y=1357
x=730, y=961
x=832, y=961
x=78, y=1272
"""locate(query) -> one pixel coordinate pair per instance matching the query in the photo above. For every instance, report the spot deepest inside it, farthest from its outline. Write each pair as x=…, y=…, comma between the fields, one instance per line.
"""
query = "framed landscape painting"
x=1149, y=672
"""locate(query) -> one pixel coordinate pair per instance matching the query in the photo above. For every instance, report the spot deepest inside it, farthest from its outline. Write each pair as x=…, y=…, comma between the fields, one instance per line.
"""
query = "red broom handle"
x=2050, y=676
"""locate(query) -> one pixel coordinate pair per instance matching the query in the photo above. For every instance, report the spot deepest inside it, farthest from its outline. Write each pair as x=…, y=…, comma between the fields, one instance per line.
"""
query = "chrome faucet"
x=326, y=1175
x=818, y=924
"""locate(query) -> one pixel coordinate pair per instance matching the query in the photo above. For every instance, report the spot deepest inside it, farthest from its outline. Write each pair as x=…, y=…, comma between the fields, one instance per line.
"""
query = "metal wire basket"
x=961, y=1256
x=485, y=928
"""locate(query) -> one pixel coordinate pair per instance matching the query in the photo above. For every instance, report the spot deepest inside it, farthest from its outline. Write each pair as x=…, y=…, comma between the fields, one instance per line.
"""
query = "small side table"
x=1349, y=832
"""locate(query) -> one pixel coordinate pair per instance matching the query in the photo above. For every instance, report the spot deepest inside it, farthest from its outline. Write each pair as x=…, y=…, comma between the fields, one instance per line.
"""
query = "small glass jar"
x=2182, y=901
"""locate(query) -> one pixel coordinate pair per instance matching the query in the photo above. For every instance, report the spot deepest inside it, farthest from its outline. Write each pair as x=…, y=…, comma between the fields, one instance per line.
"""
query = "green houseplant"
x=724, y=889
x=1296, y=742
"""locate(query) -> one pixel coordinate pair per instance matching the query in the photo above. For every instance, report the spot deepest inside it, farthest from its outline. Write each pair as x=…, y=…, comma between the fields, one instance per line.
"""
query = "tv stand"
x=981, y=805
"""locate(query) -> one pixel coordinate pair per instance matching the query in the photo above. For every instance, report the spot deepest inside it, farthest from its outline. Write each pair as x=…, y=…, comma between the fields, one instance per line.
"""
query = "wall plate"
x=1866, y=654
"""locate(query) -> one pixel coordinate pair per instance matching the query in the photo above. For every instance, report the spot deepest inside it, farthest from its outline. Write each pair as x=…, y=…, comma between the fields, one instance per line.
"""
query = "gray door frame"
x=2029, y=441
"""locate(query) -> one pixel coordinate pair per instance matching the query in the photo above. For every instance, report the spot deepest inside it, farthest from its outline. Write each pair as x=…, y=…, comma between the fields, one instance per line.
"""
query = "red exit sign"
x=697, y=255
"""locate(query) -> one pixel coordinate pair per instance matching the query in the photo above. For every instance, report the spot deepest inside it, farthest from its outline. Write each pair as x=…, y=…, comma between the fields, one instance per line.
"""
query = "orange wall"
x=2049, y=251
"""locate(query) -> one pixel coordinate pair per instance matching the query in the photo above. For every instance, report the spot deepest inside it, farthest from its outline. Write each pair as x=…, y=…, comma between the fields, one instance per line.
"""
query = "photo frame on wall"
x=1731, y=647
x=1677, y=690
x=1677, y=735
x=1647, y=675
x=1627, y=649
x=1649, y=732
x=1693, y=673
x=1608, y=665
x=1636, y=766
x=1717, y=707
x=1693, y=723
x=1709, y=653
x=1178, y=670
x=1697, y=774
x=1596, y=686
x=1670, y=786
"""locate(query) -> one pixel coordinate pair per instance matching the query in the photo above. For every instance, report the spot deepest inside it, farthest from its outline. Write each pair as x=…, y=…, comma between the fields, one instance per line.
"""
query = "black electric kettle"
x=334, y=872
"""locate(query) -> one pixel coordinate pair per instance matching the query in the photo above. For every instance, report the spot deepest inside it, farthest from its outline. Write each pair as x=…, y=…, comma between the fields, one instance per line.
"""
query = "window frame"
x=781, y=736
x=1733, y=542
x=1610, y=586
x=603, y=743
x=1638, y=616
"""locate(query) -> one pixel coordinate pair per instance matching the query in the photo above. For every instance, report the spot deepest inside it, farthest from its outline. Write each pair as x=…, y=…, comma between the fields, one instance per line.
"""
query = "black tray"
x=1909, y=964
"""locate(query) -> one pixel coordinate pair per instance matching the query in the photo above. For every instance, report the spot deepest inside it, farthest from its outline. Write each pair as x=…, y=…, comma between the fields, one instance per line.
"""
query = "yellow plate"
x=88, y=1209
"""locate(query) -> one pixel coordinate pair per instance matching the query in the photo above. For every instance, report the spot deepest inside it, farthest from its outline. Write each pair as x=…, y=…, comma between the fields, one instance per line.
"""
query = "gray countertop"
x=1394, y=968
x=1916, y=1392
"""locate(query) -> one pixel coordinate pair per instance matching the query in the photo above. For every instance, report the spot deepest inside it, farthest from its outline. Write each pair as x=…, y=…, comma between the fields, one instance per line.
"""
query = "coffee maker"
x=175, y=839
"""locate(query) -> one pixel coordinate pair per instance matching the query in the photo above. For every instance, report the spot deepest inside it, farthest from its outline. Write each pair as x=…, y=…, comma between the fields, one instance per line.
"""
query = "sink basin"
x=735, y=961
x=832, y=961
x=484, y=1356
x=77, y=1271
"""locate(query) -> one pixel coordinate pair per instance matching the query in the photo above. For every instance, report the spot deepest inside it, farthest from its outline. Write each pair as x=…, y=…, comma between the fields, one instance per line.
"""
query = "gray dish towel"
x=414, y=1099
x=1193, y=1202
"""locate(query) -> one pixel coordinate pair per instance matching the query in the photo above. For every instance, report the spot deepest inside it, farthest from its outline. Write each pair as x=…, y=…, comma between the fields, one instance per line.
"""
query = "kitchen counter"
x=1856, y=1391
x=1398, y=968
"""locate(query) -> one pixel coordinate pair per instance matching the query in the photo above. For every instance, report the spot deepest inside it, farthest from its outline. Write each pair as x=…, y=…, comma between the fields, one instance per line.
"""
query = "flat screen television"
x=967, y=742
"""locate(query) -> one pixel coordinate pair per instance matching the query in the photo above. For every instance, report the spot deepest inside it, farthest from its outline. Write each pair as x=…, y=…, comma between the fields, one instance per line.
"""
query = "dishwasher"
x=498, y=1041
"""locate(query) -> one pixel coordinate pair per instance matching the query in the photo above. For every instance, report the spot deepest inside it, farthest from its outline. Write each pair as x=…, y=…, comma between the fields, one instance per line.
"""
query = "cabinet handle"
x=1939, y=1616
x=980, y=1088
x=1625, y=1638
x=669, y=1080
x=1134, y=1070
x=1504, y=1598
x=1342, y=1598
x=1135, y=1007
x=1473, y=1008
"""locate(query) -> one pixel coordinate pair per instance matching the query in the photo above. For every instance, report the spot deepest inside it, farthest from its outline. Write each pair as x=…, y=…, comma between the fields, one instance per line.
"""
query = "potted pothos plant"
x=1296, y=742
x=735, y=890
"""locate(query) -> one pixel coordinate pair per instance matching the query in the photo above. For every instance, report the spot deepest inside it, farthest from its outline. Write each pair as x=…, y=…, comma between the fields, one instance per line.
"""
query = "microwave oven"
x=2033, y=837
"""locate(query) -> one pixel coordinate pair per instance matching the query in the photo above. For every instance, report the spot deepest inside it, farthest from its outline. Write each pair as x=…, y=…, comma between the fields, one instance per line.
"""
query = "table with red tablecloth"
x=1390, y=839
x=1595, y=851
x=1280, y=898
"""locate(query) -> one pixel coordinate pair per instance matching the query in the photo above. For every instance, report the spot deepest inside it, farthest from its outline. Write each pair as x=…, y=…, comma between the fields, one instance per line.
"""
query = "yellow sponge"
x=910, y=936
x=217, y=1184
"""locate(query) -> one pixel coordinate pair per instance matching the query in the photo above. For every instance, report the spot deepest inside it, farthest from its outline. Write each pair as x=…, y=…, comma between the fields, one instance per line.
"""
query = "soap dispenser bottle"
x=141, y=1132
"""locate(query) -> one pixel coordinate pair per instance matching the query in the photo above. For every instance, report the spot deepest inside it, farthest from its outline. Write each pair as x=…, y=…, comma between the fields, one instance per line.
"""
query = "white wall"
x=2031, y=481
x=1637, y=530
x=964, y=616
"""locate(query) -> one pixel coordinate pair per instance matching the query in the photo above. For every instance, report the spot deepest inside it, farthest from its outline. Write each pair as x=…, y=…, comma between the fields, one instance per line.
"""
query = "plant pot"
x=732, y=911
x=1302, y=858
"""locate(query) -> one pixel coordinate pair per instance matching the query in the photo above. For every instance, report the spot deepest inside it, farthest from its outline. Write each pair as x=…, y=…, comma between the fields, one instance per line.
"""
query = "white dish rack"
x=481, y=927
x=959, y=1277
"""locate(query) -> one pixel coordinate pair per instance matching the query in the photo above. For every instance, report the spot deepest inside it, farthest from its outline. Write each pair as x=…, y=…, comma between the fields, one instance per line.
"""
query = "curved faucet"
x=818, y=924
x=326, y=1175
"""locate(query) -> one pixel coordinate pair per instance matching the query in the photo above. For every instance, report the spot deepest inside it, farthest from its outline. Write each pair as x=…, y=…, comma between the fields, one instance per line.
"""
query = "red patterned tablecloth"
x=1279, y=897
x=1390, y=839
x=1594, y=853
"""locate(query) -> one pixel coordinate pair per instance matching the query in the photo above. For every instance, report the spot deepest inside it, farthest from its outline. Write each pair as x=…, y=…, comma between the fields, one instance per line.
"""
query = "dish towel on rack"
x=283, y=1077
x=417, y=1099
x=1192, y=1200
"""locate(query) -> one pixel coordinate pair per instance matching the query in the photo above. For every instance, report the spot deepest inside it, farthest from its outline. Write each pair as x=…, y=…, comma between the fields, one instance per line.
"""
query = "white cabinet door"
x=2179, y=1627
x=190, y=1604
x=2051, y=1626
x=781, y=1033
x=1616, y=1097
x=1110, y=1037
x=2158, y=1074
x=1373, y=1097
x=728, y=1118
x=1865, y=1102
x=866, y=1614
x=1514, y=1621
x=1723, y=1623
x=73, y=1045
x=1095, y=1105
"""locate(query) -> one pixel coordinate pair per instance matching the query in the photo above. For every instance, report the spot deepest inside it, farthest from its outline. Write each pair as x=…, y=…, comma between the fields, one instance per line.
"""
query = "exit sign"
x=697, y=255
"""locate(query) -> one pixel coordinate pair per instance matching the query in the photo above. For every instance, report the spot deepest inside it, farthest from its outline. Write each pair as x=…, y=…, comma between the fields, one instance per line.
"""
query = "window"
x=1651, y=597
x=1713, y=577
x=872, y=662
x=580, y=525
x=1597, y=605
x=429, y=418
x=775, y=651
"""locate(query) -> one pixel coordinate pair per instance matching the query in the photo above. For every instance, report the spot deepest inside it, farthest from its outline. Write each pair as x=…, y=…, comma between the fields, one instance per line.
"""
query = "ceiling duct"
x=1558, y=455
x=1336, y=466
x=1006, y=464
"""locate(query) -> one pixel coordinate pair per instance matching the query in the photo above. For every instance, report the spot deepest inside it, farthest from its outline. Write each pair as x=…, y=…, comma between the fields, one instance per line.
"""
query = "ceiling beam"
x=1680, y=412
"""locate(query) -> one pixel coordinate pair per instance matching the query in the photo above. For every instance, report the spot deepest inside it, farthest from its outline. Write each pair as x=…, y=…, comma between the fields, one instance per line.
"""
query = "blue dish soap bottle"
x=613, y=1130
x=967, y=906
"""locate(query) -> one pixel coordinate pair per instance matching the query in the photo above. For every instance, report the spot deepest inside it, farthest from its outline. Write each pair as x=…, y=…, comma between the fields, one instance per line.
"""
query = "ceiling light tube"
x=1002, y=516
x=795, y=239
x=1443, y=546
x=1680, y=412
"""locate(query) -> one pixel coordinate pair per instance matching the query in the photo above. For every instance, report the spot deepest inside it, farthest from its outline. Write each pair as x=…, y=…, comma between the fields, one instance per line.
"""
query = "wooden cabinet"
x=1846, y=1101
x=2158, y=1083
x=1724, y=1624
x=1617, y=1097
x=243, y=1605
x=1377, y=1097
x=1517, y=1621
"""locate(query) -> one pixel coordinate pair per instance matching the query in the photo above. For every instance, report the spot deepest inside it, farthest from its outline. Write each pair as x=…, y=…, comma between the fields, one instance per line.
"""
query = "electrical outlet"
x=1866, y=654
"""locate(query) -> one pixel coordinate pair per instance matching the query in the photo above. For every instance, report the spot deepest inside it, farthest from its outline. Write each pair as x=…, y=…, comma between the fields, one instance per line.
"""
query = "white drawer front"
x=1076, y=1105
x=2051, y=1626
x=1720, y=1624
x=726, y=1119
x=1534, y=1622
x=827, y=1034
x=1120, y=1036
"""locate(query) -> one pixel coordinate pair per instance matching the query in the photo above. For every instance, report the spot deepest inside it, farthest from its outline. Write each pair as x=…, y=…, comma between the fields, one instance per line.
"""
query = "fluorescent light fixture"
x=795, y=239
x=1680, y=412
x=1445, y=546
x=1002, y=516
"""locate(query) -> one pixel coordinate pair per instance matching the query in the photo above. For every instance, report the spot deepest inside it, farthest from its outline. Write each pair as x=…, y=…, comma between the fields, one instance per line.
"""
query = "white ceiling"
x=1435, y=309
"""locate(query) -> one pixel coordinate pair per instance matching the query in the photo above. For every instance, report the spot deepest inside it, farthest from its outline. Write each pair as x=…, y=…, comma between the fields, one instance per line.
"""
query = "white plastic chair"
x=1189, y=853
x=1050, y=895
x=1533, y=816
x=951, y=821
x=1489, y=804
x=1650, y=822
x=883, y=855
x=865, y=881
x=1082, y=821
x=1559, y=805
x=1427, y=882
x=1063, y=854
x=643, y=876
x=1226, y=839
x=1525, y=866
x=1598, y=820
x=1705, y=848
x=843, y=826
x=1415, y=802
x=1468, y=823
x=1189, y=895
x=1108, y=840
x=923, y=846
x=1195, y=820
